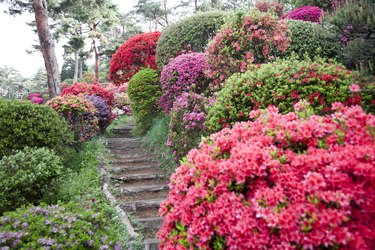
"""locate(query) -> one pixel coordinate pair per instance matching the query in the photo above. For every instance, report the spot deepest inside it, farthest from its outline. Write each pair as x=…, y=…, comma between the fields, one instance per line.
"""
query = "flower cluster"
x=80, y=114
x=248, y=39
x=185, y=73
x=56, y=227
x=305, y=13
x=89, y=89
x=282, y=83
x=136, y=53
x=103, y=111
x=35, y=98
x=187, y=123
x=276, y=8
x=279, y=182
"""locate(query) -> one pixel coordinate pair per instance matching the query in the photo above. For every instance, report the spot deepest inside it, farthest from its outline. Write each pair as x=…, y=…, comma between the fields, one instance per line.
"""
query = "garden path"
x=137, y=183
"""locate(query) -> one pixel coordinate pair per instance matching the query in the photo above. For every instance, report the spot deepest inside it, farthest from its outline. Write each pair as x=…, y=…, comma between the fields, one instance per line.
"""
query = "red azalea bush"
x=280, y=182
x=305, y=13
x=276, y=8
x=80, y=114
x=186, y=72
x=89, y=89
x=249, y=38
x=136, y=53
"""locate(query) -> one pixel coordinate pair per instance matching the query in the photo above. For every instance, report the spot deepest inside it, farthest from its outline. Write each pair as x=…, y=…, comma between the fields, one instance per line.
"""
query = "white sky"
x=16, y=37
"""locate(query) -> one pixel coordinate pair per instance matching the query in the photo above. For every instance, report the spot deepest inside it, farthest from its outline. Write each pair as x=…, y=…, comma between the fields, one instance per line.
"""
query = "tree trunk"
x=196, y=5
x=80, y=68
x=96, y=60
x=215, y=3
x=76, y=63
x=47, y=46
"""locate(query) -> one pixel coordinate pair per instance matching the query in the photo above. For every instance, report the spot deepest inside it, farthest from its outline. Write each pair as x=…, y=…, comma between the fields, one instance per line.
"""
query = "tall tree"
x=47, y=46
x=11, y=83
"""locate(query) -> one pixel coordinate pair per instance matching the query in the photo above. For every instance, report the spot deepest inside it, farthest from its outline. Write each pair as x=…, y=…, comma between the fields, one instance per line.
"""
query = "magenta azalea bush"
x=288, y=181
x=186, y=72
x=186, y=125
x=305, y=13
x=249, y=38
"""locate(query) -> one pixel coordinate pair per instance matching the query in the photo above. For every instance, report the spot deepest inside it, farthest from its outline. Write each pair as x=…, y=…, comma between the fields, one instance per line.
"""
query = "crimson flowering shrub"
x=247, y=39
x=186, y=125
x=186, y=72
x=276, y=8
x=289, y=181
x=80, y=114
x=89, y=89
x=283, y=83
x=136, y=53
x=305, y=13
x=103, y=111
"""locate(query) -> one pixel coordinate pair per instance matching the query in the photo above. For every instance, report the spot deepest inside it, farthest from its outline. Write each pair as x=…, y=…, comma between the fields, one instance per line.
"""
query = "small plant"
x=25, y=176
x=144, y=92
x=290, y=181
x=136, y=53
x=247, y=39
x=185, y=73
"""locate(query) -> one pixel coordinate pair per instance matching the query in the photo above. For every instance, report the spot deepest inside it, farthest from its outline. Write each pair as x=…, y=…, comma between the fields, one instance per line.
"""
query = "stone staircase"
x=137, y=183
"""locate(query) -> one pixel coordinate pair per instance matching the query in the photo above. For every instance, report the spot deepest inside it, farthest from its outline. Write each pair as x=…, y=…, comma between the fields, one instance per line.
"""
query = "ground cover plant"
x=282, y=181
x=136, y=53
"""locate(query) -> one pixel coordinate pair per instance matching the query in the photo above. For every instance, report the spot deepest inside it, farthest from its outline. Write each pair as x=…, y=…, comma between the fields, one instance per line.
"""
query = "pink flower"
x=354, y=88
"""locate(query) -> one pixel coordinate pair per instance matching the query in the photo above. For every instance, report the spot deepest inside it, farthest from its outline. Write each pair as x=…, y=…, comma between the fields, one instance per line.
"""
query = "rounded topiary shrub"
x=62, y=226
x=185, y=73
x=305, y=13
x=136, y=53
x=282, y=83
x=24, y=124
x=188, y=35
x=247, y=39
x=89, y=89
x=312, y=40
x=103, y=111
x=144, y=93
x=186, y=125
x=25, y=176
x=280, y=182
x=79, y=113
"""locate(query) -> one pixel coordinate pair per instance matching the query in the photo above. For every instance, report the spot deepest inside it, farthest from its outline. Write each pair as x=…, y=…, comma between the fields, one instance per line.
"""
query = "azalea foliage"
x=89, y=89
x=136, y=53
x=247, y=39
x=290, y=181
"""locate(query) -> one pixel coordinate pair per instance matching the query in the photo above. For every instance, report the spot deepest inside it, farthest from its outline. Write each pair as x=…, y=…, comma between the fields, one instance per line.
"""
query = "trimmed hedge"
x=188, y=35
x=24, y=124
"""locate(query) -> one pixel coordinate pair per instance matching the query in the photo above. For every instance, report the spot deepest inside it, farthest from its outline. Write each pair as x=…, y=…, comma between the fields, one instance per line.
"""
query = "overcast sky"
x=17, y=37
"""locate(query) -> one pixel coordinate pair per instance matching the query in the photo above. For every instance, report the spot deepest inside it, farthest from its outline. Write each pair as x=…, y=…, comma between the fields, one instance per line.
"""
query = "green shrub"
x=63, y=226
x=25, y=176
x=282, y=83
x=24, y=124
x=324, y=4
x=311, y=39
x=144, y=92
x=360, y=54
x=188, y=35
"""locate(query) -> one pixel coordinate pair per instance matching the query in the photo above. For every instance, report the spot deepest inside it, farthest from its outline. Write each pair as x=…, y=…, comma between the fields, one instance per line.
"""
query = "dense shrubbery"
x=56, y=227
x=144, y=92
x=25, y=176
x=312, y=40
x=185, y=73
x=187, y=123
x=324, y=4
x=280, y=182
x=305, y=13
x=103, y=111
x=24, y=124
x=248, y=39
x=136, y=53
x=80, y=114
x=188, y=35
x=282, y=83
x=89, y=89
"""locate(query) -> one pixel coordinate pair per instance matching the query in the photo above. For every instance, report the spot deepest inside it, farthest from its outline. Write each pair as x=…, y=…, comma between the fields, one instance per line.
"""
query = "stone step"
x=137, y=177
x=136, y=195
x=136, y=189
x=123, y=131
x=151, y=244
x=131, y=160
x=127, y=168
x=124, y=146
x=139, y=205
x=151, y=222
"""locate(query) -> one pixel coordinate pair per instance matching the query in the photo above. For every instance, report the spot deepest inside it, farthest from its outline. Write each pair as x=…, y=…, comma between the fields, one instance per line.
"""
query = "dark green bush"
x=63, y=226
x=25, y=176
x=144, y=93
x=311, y=39
x=25, y=124
x=188, y=35
x=324, y=4
x=283, y=83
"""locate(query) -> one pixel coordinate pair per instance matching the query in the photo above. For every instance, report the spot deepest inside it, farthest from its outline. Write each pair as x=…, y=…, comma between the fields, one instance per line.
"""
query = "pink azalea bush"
x=186, y=125
x=305, y=13
x=184, y=73
x=289, y=181
x=249, y=38
x=265, y=6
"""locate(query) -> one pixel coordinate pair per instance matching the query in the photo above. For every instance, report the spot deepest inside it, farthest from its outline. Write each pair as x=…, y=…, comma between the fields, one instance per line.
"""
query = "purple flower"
x=46, y=241
x=305, y=13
